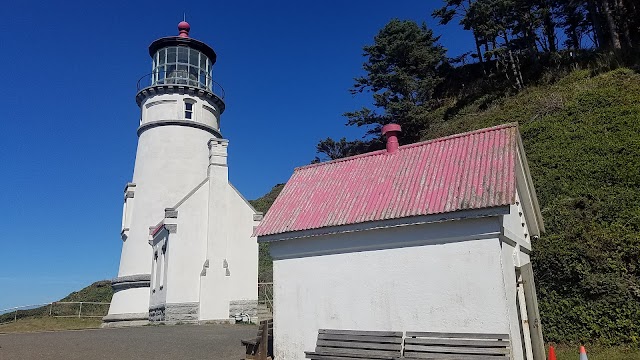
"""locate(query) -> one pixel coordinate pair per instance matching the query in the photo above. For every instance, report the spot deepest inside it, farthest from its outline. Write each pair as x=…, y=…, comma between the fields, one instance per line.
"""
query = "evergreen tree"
x=403, y=69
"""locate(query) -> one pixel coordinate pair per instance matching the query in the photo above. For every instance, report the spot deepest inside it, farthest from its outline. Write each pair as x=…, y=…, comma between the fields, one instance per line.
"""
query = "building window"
x=163, y=264
x=154, y=268
x=188, y=110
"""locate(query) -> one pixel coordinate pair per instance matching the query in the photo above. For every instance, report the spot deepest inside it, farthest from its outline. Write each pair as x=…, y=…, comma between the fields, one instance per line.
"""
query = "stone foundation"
x=183, y=313
x=124, y=320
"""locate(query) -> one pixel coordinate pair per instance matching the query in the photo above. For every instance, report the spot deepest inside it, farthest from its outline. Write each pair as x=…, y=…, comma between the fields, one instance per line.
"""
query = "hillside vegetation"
x=581, y=137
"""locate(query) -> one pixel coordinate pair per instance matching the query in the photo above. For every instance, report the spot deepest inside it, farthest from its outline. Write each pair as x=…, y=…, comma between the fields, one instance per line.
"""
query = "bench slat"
x=457, y=342
x=457, y=335
x=380, y=354
x=357, y=345
x=254, y=342
x=456, y=350
x=372, y=339
x=423, y=356
x=315, y=356
x=361, y=333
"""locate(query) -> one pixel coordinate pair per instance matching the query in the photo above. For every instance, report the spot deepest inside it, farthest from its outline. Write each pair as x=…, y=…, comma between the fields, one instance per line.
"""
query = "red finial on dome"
x=184, y=28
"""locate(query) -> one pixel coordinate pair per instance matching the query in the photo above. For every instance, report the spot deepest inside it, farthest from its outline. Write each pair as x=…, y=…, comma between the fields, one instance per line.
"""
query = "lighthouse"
x=188, y=254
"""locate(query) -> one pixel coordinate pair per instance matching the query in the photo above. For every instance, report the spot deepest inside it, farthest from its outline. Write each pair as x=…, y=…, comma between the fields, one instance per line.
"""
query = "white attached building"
x=188, y=253
x=434, y=236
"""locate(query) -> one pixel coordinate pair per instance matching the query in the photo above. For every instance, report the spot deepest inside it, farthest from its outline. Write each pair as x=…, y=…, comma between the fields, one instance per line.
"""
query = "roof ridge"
x=407, y=146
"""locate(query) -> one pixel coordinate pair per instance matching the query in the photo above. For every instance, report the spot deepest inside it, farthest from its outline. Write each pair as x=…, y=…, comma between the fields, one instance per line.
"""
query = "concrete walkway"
x=220, y=342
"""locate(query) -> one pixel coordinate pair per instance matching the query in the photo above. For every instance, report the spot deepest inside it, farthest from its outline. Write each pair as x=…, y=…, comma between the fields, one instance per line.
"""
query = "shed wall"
x=430, y=280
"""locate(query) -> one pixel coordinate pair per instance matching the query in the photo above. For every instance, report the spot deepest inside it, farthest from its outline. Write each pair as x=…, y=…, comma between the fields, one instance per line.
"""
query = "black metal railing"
x=181, y=77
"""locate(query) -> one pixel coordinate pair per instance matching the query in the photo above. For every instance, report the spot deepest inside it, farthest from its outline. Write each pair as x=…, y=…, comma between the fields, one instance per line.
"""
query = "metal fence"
x=61, y=309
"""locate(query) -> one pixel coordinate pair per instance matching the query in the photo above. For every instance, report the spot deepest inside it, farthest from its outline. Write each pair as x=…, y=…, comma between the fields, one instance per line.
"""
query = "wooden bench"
x=353, y=344
x=260, y=347
x=456, y=346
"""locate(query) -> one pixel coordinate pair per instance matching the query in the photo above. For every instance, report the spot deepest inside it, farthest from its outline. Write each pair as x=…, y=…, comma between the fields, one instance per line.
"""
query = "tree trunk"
x=575, y=41
x=611, y=24
x=550, y=30
x=624, y=23
x=514, y=67
x=597, y=26
x=475, y=38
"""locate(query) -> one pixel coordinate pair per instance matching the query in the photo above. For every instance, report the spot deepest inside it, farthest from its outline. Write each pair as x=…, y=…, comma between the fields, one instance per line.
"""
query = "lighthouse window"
x=194, y=57
x=171, y=55
x=188, y=110
x=182, y=65
x=183, y=55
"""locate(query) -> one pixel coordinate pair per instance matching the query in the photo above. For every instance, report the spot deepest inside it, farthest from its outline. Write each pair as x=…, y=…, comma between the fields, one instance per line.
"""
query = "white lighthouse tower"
x=187, y=253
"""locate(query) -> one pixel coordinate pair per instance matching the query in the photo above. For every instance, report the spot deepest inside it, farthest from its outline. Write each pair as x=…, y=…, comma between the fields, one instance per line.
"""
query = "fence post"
x=80, y=311
x=15, y=317
x=51, y=309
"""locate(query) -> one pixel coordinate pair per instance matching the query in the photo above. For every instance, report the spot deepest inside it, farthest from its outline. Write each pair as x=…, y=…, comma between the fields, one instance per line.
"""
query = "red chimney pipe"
x=391, y=131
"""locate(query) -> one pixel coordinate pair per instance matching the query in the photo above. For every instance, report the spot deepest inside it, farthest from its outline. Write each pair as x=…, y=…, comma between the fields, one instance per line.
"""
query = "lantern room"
x=183, y=61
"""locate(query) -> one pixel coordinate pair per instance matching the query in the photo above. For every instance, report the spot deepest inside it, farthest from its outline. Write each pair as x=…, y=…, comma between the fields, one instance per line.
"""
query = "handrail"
x=28, y=307
x=181, y=77
x=50, y=305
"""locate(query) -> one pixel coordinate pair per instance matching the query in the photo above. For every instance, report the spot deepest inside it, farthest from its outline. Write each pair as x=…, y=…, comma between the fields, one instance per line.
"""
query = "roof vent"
x=391, y=131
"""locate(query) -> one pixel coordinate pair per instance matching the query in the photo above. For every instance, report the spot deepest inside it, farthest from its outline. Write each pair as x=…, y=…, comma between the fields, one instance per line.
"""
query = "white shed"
x=433, y=236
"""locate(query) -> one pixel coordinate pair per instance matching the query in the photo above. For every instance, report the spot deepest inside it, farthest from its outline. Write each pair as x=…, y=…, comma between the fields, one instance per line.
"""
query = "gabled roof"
x=467, y=171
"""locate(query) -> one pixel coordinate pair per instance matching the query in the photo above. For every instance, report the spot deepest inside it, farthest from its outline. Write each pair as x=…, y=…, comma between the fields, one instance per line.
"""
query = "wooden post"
x=15, y=317
x=531, y=299
x=264, y=342
x=51, y=309
x=525, y=320
x=80, y=311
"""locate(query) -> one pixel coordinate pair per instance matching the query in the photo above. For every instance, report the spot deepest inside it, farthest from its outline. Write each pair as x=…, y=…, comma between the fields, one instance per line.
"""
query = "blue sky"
x=69, y=117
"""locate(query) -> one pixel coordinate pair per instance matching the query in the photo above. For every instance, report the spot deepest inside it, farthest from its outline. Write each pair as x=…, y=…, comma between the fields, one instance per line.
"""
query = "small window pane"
x=171, y=74
x=160, y=74
x=171, y=54
x=188, y=106
x=203, y=78
x=183, y=55
x=182, y=73
x=194, y=57
x=203, y=62
x=162, y=55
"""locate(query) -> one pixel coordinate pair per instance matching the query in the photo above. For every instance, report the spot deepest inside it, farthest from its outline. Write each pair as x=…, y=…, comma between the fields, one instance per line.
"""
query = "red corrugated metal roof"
x=466, y=171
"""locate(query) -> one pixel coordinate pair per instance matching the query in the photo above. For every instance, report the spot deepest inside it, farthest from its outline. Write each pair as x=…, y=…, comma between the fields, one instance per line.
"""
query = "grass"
x=49, y=324
x=565, y=352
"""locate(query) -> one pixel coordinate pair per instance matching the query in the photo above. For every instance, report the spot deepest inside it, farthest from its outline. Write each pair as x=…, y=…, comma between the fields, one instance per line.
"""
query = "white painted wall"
x=135, y=298
x=187, y=249
x=229, y=238
x=158, y=290
x=170, y=161
x=171, y=107
x=411, y=278
x=508, y=257
x=242, y=256
x=515, y=254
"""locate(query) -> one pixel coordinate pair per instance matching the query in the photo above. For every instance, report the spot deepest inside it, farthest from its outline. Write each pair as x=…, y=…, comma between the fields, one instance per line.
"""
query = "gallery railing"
x=181, y=77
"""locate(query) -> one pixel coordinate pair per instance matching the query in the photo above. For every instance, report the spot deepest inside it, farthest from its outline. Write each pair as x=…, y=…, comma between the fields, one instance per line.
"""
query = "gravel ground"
x=220, y=342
